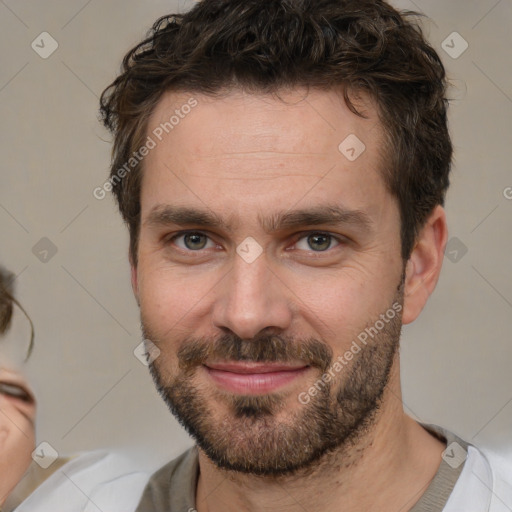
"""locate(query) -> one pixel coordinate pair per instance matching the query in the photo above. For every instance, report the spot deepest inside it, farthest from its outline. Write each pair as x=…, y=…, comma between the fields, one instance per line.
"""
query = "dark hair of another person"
x=352, y=46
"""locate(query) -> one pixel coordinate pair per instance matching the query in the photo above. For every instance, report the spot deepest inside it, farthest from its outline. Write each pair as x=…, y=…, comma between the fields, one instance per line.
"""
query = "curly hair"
x=266, y=46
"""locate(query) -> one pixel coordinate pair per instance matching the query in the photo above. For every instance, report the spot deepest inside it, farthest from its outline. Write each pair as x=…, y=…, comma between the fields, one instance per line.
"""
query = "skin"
x=17, y=433
x=244, y=156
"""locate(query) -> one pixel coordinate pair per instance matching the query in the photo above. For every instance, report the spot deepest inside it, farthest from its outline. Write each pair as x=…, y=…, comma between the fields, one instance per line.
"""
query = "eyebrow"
x=327, y=214
x=163, y=215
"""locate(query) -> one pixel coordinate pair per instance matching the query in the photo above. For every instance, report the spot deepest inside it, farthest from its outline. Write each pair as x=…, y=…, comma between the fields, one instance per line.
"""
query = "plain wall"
x=92, y=391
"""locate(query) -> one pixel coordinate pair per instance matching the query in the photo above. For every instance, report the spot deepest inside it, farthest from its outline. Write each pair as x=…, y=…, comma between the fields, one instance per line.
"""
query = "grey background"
x=92, y=391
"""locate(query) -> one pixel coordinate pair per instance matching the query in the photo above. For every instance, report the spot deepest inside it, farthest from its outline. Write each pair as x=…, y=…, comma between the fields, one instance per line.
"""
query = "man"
x=282, y=168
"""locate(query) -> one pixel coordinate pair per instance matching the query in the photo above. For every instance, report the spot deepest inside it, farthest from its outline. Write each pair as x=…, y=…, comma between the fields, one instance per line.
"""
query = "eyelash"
x=340, y=240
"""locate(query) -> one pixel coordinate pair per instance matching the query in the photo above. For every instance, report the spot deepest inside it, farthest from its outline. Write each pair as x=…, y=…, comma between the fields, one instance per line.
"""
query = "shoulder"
x=501, y=470
x=484, y=484
x=88, y=482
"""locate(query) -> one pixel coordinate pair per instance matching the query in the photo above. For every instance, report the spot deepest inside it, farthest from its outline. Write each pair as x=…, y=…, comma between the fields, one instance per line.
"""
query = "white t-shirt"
x=108, y=482
x=468, y=480
x=485, y=484
x=91, y=482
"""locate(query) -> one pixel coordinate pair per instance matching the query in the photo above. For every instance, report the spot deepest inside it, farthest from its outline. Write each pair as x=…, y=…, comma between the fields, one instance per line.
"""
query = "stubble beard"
x=250, y=439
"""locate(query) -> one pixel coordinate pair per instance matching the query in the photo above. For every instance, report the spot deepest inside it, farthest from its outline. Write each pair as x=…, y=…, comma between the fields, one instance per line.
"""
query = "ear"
x=134, y=279
x=424, y=264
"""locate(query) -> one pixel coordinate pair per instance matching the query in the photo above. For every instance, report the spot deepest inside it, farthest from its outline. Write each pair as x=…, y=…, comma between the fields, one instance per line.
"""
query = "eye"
x=192, y=241
x=14, y=391
x=318, y=242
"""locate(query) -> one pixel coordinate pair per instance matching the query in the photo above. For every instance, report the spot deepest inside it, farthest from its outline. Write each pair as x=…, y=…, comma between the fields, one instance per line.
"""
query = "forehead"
x=257, y=146
x=295, y=121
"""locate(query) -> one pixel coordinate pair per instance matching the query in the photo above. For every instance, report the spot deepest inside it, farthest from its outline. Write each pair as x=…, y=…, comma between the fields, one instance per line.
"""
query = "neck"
x=386, y=469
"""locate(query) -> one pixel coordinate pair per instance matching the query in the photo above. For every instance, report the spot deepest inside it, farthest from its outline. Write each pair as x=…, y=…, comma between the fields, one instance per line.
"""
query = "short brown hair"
x=351, y=45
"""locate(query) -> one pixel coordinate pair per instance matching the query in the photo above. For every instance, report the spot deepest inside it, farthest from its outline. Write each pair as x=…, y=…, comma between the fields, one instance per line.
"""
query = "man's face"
x=249, y=311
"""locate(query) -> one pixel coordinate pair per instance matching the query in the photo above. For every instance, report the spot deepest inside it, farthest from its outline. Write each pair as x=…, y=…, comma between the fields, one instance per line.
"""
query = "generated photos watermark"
x=152, y=141
x=355, y=348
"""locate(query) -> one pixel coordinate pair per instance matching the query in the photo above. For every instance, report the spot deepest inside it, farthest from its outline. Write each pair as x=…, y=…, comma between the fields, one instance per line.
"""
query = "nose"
x=252, y=298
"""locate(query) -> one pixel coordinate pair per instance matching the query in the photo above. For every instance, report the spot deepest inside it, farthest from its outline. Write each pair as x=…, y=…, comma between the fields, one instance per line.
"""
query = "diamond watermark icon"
x=44, y=250
x=146, y=352
x=455, y=249
x=454, y=455
x=249, y=249
x=44, y=45
x=352, y=147
x=45, y=455
x=454, y=45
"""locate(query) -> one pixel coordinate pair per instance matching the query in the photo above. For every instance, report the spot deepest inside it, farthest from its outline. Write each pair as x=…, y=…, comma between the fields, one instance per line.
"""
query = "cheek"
x=335, y=316
x=169, y=308
x=164, y=306
x=17, y=441
x=14, y=426
x=172, y=299
x=340, y=305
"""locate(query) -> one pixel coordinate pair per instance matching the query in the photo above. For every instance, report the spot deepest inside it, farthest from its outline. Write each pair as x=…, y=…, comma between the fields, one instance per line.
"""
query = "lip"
x=250, y=378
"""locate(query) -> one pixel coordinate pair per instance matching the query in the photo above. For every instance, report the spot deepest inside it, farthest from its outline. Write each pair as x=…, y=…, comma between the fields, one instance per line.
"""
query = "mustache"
x=194, y=352
x=265, y=348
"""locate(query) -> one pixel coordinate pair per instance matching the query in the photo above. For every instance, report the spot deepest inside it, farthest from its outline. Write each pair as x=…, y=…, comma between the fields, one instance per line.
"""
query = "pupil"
x=322, y=242
x=193, y=240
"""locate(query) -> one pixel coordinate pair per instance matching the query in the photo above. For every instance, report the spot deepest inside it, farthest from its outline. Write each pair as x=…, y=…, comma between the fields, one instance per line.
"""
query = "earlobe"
x=424, y=265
